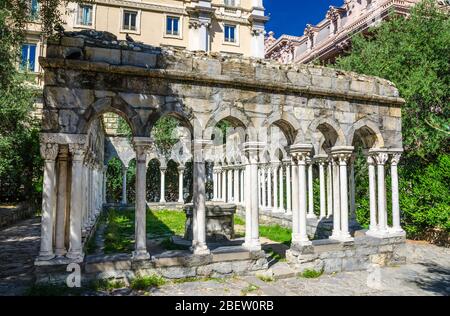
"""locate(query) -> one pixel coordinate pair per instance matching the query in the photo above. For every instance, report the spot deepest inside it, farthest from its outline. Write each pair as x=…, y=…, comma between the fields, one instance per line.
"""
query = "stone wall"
x=12, y=214
x=330, y=256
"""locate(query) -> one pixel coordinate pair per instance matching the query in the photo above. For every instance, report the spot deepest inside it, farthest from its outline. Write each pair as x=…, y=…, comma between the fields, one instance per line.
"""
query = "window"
x=129, y=20
x=85, y=15
x=33, y=9
x=230, y=3
x=28, y=60
x=230, y=33
x=173, y=25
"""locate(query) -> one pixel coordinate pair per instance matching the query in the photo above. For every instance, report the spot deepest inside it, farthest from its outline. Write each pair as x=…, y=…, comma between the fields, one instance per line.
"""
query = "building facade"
x=331, y=37
x=224, y=26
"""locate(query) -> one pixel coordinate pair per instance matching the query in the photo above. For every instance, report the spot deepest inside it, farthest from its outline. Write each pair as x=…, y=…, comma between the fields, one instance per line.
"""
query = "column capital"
x=142, y=146
x=49, y=151
x=321, y=159
x=78, y=151
x=342, y=154
x=379, y=156
x=181, y=168
x=395, y=158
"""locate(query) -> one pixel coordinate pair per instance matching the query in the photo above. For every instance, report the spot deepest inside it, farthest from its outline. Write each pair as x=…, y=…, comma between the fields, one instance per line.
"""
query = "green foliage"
x=238, y=220
x=164, y=133
x=142, y=283
x=249, y=289
x=266, y=278
x=107, y=285
x=311, y=274
x=414, y=54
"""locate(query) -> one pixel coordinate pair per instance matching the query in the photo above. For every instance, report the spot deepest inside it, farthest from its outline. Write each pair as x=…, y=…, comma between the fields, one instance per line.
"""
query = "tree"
x=413, y=53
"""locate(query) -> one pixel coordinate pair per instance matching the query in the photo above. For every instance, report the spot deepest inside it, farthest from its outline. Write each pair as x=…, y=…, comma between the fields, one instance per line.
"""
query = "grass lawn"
x=120, y=228
x=275, y=233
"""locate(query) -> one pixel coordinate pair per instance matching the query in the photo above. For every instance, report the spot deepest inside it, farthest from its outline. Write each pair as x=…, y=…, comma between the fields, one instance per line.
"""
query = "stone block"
x=332, y=265
x=178, y=272
x=210, y=67
x=321, y=82
x=97, y=54
x=72, y=41
x=355, y=263
x=298, y=78
x=138, y=59
x=107, y=266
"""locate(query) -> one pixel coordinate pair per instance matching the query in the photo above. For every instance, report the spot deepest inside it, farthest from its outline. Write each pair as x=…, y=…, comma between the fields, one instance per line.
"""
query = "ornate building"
x=330, y=37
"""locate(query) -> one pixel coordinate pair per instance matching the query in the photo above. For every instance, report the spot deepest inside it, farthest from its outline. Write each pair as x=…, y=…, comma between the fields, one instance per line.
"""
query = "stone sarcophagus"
x=219, y=221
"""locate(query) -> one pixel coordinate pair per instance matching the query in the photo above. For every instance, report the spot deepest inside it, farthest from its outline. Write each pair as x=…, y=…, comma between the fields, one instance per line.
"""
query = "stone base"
x=332, y=256
x=221, y=262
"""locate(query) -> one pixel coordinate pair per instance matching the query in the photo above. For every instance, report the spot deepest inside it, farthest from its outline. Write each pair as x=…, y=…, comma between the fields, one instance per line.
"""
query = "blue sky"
x=291, y=16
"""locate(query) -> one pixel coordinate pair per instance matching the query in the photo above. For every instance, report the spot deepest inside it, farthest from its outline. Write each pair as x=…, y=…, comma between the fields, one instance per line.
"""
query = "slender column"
x=330, y=189
x=75, y=249
x=275, y=167
x=288, y=188
x=343, y=159
x=215, y=184
x=372, y=195
x=264, y=187
x=269, y=187
x=180, y=185
x=310, y=190
x=199, y=246
x=336, y=201
x=224, y=184
x=124, y=184
x=281, y=197
x=163, y=170
x=302, y=161
x=242, y=186
x=260, y=186
x=352, y=188
x=141, y=146
x=295, y=201
x=395, y=200
x=236, y=185
x=85, y=193
x=252, y=197
x=322, y=161
x=105, y=169
x=381, y=159
x=229, y=185
x=61, y=208
x=248, y=204
x=49, y=151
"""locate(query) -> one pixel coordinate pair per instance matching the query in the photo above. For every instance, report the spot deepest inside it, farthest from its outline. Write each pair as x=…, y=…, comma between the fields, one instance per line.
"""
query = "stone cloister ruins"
x=292, y=123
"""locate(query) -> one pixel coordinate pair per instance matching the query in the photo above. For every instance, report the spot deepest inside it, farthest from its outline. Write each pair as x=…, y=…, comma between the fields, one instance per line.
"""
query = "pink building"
x=330, y=37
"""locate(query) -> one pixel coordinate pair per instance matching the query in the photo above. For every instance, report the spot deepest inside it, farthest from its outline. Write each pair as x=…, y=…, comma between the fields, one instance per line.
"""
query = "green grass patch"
x=266, y=278
x=276, y=233
x=273, y=256
x=107, y=285
x=238, y=220
x=311, y=274
x=165, y=223
x=249, y=289
x=142, y=283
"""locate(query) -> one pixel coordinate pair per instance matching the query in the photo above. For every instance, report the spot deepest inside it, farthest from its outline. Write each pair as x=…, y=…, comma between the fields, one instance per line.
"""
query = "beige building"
x=222, y=26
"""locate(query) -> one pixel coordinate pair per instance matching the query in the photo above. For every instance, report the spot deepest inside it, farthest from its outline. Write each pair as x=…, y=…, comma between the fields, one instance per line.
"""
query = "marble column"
x=288, y=188
x=330, y=188
x=275, y=167
x=163, y=170
x=141, y=146
x=224, y=184
x=252, y=197
x=381, y=158
x=311, y=214
x=124, y=184
x=395, y=159
x=242, y=175
x=215, y=186
x=229, y=185
x=199, y=246
x=49, y=151
x=352, y=189
x=104, y=177
x=269, y=187
x=260, y=186
x=336, y=201
x=264, y=187
x=75, y=250
x=281, y=195
x=181, y=181
x=248, y=204
x=295, y=200
x=321, y=160
x=302, y=238
x=236, y=185
x=344, y=155
x=61, y=206
x=372, y=195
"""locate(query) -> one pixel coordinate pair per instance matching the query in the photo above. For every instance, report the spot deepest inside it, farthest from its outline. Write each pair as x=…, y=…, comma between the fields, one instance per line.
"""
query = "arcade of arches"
x=290, y=125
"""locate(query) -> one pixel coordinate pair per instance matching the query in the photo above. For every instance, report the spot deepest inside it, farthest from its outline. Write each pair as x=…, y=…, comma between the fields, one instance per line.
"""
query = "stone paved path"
x=19, y=245
x=427, y=273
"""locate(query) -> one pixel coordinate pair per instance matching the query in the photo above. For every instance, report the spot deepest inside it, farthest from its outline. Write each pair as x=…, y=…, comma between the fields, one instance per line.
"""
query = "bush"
x=142, y=283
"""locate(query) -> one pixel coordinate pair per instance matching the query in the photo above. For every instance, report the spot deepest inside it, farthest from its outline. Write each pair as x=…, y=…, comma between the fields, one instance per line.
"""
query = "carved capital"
x=381, y=158
x=370, y=161
x=49, y=151
x=395, y=159
x=78, y=151
x=302, y=157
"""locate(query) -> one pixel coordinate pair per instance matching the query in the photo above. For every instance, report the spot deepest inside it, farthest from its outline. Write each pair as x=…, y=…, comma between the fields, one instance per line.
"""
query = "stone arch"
x=115, y=105
x=185, y=119
x=368, y=132
x=287, y=123
x=235, y=116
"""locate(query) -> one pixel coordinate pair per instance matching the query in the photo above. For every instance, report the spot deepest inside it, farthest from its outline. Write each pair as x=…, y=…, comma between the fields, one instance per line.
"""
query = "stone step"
x=281, y=270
